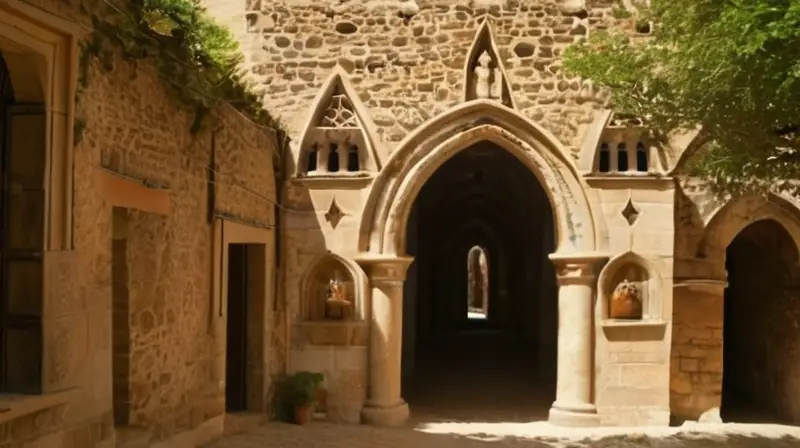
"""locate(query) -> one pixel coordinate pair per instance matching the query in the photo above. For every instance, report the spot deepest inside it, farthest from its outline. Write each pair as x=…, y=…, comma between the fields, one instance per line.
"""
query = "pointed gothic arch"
x=383, y=226
x=727, y=221
x=484, y=57
x=338, y=130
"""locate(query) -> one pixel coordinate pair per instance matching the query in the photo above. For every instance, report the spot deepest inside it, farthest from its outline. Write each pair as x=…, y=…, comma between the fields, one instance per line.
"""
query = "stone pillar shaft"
x=574, y=405
x=385, y=406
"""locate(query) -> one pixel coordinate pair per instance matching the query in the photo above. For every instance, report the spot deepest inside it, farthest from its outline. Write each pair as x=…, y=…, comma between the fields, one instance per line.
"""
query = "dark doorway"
x=120, y=318
x=457, y=367
x=236, y=353
x=762, y=308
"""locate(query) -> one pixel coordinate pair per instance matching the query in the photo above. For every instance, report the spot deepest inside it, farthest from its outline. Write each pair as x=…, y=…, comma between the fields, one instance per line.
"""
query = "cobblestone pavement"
x=530, y=435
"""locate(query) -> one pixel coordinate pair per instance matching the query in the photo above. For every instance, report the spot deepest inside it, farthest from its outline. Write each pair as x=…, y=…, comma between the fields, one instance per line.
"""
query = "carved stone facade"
x=412, y=89
x=152, y=311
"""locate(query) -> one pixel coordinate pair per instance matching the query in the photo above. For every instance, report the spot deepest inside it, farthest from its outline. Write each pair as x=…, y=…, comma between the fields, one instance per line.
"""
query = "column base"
x=392, y=416
x=582, y=418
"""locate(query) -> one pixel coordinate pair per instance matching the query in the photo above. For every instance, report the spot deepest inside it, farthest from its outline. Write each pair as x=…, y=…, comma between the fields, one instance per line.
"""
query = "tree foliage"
x=199, y=58
x=731, y=67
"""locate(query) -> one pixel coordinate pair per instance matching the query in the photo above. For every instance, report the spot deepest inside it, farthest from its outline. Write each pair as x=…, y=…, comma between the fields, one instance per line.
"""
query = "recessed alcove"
x=622, y=275
x=484, y=75
x=629, y=279
x=332, y=311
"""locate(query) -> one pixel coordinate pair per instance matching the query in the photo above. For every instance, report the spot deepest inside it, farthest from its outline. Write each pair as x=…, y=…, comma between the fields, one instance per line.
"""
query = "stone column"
x=385, y=406
x=324, y=150
x=574, y=405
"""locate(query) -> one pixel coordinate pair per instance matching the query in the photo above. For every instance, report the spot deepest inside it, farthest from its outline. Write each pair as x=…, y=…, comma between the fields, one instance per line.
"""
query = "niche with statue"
x=628, y=290
x=330, y=292
x=332, y=295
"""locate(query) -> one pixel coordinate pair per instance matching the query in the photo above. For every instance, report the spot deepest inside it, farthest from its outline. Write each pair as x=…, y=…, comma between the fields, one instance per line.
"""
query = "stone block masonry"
x=409, y=68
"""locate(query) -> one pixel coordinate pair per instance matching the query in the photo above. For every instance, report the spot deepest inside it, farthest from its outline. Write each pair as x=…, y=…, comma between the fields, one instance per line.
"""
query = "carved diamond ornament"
x=630, y=212
x=334, y=214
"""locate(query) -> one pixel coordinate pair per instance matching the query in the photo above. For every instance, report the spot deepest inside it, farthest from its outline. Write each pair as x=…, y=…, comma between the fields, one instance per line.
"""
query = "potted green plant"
x=299, y=390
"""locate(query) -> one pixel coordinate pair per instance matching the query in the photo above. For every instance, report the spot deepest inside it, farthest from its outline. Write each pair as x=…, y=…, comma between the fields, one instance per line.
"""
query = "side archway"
x=727, y=221
x=418, y=156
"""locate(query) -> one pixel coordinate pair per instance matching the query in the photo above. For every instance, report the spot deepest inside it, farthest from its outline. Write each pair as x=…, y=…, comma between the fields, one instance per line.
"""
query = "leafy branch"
x=199, y=58
x=729, y=67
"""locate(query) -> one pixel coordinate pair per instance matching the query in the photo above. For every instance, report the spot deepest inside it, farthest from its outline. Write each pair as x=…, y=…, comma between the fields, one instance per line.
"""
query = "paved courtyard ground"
x=527, y=435
x=454, y=408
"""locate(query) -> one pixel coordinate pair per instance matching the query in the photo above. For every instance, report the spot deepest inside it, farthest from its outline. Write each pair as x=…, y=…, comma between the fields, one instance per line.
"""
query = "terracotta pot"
x=321, y=396
x=303, y=414
x=626, y=302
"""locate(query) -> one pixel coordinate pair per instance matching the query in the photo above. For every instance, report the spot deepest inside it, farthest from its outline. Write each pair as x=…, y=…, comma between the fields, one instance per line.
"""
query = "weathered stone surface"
x=147, y=301
x=134, y=299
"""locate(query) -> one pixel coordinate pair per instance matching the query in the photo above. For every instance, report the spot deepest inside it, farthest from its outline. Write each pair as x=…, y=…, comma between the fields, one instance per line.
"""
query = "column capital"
x=577, y=267
x=385, y=268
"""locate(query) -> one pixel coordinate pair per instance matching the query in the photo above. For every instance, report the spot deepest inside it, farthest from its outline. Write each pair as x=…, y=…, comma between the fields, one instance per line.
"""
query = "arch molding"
x=421, y=153
x=726, y=222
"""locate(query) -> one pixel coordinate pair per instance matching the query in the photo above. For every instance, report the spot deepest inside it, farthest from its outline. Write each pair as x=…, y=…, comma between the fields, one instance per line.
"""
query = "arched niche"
x=639, y=273
x=316, y=290
x=485, y=76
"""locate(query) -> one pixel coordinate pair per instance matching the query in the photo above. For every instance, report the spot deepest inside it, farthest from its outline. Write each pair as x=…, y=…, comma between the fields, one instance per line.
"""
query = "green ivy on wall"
x=198, y=58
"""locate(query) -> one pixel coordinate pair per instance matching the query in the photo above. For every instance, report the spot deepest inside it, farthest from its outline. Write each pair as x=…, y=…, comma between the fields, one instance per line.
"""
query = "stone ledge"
x=633, y=323
x=621, y=181
x=344, y=181
x=15, y=406
x=634, y=330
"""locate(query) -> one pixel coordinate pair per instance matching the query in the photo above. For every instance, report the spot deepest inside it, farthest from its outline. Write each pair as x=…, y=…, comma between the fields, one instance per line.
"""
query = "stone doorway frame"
x=261, y=257
x=382, y=248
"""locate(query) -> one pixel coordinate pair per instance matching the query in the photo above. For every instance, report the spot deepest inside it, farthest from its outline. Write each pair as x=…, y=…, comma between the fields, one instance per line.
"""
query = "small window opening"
x=312, y=158
x=622, y=157
x=333, y=158
x=352, y=159
x=604, y=165
x=477, y=284
x=641, y=158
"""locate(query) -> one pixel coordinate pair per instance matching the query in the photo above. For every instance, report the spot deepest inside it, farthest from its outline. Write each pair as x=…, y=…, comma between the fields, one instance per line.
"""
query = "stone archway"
x=383, y=238
x=419, y=155
x=709, y=311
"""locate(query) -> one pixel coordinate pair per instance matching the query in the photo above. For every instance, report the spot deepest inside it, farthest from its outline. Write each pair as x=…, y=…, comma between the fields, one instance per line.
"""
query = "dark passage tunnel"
x=482, y=197
x=762, y=309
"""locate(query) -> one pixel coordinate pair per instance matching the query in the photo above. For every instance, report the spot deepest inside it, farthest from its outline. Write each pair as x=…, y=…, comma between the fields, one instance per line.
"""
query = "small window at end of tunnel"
x=478, y=284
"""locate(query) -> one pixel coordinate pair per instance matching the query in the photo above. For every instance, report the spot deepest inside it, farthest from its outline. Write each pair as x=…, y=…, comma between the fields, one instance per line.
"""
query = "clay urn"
x=626, y=301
